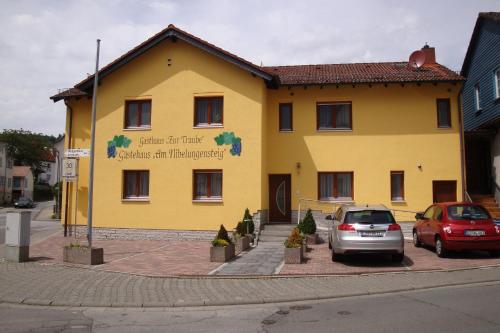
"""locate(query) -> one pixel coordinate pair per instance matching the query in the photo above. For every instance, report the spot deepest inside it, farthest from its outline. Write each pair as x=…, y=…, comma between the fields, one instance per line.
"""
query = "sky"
x=47, y=45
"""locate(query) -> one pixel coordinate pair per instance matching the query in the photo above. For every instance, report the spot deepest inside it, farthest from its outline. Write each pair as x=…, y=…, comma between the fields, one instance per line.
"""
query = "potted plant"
x=308, y=227
x=222, y=248
x=248, y=225
x=242, y=241
x=76, y=253
x=293, y=247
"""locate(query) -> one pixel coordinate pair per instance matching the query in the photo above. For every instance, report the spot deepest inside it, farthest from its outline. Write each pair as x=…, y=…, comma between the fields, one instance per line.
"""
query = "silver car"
x=365, y=229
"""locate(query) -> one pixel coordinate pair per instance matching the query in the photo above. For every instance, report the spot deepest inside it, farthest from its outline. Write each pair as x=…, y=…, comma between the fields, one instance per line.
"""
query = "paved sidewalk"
x=32, y=283
x=264, y=259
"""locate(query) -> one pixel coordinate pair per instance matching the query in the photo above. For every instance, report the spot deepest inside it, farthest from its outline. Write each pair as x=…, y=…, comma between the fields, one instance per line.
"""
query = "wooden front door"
x=280, y=203
x=444, y=190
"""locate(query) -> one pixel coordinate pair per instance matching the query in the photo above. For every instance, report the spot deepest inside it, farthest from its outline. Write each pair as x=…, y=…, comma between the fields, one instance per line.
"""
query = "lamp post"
x=58, y=180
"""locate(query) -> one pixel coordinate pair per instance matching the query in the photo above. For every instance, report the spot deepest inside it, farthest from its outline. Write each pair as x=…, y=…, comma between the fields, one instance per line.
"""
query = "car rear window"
x=467, y=212
x=369, y=217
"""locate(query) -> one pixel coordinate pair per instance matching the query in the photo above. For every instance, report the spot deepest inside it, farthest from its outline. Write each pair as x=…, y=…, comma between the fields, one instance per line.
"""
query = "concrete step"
x=274, y=232
x=276, y=239
x=279, y=226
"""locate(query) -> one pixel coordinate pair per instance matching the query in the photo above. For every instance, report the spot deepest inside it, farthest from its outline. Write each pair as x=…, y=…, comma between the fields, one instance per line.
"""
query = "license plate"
x=474, y=233
x=371, y=233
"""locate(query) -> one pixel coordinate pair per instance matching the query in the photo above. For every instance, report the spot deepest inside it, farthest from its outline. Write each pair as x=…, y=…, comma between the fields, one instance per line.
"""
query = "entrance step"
x=276, y=232
x=488, y=202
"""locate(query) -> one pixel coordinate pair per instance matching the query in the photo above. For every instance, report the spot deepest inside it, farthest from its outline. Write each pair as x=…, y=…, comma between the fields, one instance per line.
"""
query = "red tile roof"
x=384, y=72
x=66, y=93
x=21, y=171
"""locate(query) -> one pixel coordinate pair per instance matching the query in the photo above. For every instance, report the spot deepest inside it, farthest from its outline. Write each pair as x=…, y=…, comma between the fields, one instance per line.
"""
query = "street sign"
x=77, y=153
x=69, y=169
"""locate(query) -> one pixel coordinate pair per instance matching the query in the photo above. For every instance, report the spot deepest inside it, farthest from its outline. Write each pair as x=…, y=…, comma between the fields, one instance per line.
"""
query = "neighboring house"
x=48, y=167
x=188, y=135
x=22, y=182
x=481, y=109
x=5, y=175
x=58, y=152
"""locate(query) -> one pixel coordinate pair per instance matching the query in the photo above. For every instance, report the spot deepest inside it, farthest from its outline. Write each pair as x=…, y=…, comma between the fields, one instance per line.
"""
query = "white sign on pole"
x=69, y=169
x=77, y=153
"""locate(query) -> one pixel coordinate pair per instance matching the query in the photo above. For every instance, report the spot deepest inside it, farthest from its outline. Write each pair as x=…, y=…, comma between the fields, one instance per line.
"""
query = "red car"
x=453, y=226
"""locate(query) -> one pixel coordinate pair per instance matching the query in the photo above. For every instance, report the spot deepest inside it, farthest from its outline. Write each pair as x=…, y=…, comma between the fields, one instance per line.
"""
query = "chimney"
x=430, y=55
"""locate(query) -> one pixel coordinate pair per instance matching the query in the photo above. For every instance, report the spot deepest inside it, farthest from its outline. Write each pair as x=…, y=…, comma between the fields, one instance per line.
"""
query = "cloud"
x=48, y=45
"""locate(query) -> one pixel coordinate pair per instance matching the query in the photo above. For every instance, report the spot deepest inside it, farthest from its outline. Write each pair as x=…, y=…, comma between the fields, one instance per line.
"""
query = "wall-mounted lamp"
x=419, y=167
x=297, y=165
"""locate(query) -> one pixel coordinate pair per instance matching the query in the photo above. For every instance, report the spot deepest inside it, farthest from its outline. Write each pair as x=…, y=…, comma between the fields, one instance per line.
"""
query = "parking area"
x=178, y=258
x=318, y=261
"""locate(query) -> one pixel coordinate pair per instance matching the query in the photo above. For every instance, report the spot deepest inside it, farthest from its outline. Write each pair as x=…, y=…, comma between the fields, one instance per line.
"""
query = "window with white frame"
x=477, y=97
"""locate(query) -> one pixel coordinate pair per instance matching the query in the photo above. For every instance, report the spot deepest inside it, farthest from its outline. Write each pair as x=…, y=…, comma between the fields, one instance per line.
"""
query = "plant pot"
x=83, y=255
x=312, y=239
x=221, y=253
x=242, y=244
x=304, y=248
x=251, y=238
x=293, y=255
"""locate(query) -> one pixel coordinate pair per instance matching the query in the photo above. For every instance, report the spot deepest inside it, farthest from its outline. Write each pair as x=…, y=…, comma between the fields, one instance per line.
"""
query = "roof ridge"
x=341, y=63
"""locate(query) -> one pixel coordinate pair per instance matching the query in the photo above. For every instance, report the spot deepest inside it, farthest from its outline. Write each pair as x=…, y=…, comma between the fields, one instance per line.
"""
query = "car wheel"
x=336, y=257
x=399, y=257
x=416, y=240
x=494, y=253
x=440, y=249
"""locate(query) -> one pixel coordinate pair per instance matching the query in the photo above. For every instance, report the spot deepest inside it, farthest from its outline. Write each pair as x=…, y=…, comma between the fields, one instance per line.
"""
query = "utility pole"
x=92, y=145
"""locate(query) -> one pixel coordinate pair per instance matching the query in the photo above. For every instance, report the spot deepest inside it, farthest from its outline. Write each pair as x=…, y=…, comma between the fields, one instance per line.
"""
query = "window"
x=438, y=213
x=2, y=180
x=207, y=185
x=477, y=97
x=443, y=113
x=17, y=182
x=497, y=83
x=9, y=163
x=25, y=182
x=135, y=184
x=335, y=186
x=467, y=212
x=138, y=114
x=286, y=117
x=208, y=111
x=397, y=186
x=429, y=213
x=1, y=161
x=334, y=116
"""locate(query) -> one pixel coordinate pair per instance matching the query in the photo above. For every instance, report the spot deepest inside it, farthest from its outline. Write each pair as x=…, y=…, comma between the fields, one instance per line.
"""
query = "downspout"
x=69, y=146
x=462, y=144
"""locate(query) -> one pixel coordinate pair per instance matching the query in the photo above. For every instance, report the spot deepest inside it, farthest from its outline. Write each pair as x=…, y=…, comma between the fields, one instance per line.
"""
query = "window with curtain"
x=335, y=186
x=138, y=114
x=208, y=111
x=336, y=115
x=207, y=184
x=443, y=113
x=286, y=117
x=477, y=97
x=135, y=184
x=397, y=185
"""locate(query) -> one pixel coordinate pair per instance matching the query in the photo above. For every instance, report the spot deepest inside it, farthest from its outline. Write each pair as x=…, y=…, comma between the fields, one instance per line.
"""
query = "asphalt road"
x=466, y=308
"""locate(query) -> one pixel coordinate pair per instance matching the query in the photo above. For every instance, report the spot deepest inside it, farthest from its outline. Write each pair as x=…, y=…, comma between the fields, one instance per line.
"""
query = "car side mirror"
x=419, y=216
x=329, y=217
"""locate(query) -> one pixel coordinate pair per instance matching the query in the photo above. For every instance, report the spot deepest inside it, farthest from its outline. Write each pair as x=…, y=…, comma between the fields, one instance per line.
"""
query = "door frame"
x=288, y=218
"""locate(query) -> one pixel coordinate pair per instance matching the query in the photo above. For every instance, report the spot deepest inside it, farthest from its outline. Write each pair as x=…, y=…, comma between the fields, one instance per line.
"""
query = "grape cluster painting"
x=228, y=138
x=118, y=141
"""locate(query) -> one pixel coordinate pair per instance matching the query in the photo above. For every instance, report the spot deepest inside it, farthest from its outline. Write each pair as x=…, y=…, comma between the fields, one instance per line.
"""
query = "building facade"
x=481, y=107
x=189, y=135
x=6, y=164
x=22, y=182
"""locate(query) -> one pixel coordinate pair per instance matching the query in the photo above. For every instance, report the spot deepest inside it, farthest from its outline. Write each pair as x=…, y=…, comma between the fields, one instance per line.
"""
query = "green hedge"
x=43, y=192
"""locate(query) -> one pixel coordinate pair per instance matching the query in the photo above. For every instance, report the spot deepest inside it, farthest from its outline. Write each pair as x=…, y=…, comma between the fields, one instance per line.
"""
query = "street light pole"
x=92, y=145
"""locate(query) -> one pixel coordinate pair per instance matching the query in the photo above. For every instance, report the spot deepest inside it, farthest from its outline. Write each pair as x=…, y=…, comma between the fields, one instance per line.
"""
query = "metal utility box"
x=17, y=236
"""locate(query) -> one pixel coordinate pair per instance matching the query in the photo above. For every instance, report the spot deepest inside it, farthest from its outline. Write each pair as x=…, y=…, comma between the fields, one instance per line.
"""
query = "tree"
x=27, y=148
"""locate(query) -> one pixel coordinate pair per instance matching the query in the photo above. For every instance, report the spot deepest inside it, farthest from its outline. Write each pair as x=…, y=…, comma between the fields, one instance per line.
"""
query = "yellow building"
x=189, y=135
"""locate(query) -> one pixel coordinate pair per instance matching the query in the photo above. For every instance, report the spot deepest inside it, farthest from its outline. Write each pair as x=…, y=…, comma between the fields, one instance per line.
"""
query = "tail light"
x=394, y=227
x=497, y=229
x=447, y=229
x=346, y=227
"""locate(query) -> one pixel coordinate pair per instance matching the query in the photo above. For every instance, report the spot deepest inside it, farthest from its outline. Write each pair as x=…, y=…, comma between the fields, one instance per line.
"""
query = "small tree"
x=248, y=225
x=222, y=236
x=308, y=225
x=240, y=229
x=295, y=239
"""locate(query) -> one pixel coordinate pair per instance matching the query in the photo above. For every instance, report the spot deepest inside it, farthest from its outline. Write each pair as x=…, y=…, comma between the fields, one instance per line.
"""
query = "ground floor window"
x=207, y=184
x=397, y=185
x=335, y=186
x=135, y=184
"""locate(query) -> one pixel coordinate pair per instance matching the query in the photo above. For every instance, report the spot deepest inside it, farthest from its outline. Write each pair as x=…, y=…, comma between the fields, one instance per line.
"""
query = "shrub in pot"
x=308, y=227
x=222, y=248
x=248, y=225
x=293, y=247
x=242, y=241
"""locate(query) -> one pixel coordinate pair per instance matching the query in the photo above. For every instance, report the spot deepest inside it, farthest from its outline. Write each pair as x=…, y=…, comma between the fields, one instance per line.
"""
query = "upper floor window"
x=497, y=83
x=397, y=185
x=336, y=115
x=477, y=97
x=9, y=163
x=443, y=113
x=9, y=182
x=138, y=114
x=335, y=185
x=207, y=185
x=286, y=117
x=1, y=161
x=135, y=184
x=208, y=111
